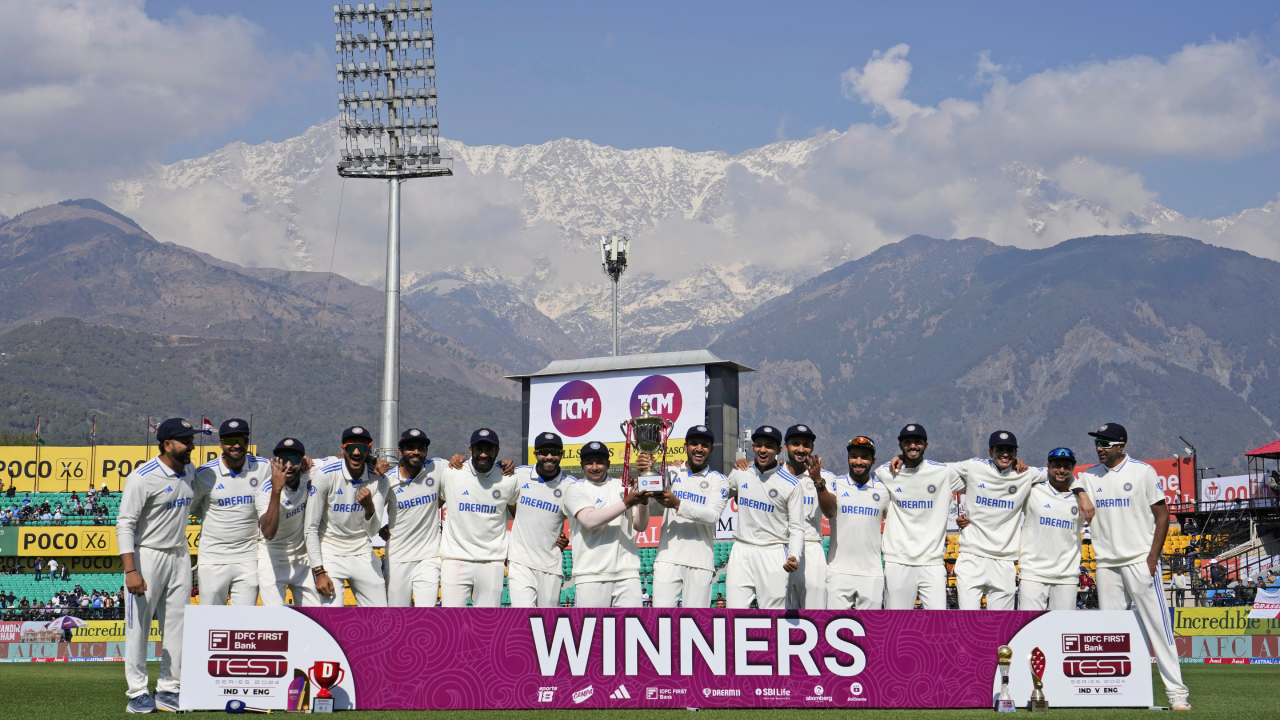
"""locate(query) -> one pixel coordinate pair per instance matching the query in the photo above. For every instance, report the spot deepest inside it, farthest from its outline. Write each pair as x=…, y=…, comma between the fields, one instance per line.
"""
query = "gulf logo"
x=662, y=394
x=575, y=409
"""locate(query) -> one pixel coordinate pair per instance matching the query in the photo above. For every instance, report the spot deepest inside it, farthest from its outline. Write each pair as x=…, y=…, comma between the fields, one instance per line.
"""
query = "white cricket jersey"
x=225, y=501
x=1124, y=526
x=994, y=501
x=413, y=513
x=770, y=508
x=475, y=527
x=154, y=506
x=689, y=533
x=290, y=543
x=855, y=530
x=335, y=521
x=606, y=553
x=540, y=516
x=915, y=528
x=812, y=512
x=1050, y=551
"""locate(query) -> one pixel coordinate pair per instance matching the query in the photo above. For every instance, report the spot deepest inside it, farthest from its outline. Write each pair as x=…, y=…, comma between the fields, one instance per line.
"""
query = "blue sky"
x=733, y=76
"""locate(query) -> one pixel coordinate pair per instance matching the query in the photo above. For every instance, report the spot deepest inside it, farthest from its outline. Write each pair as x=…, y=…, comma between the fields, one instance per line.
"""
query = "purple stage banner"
x=500, y=658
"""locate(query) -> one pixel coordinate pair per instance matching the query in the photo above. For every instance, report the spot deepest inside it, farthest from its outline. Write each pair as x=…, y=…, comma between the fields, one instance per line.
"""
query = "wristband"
x=319, y=571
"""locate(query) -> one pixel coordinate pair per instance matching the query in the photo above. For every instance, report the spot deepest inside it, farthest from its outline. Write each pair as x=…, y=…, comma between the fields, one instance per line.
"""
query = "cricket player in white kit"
x=534, y=554
x=152, y=538
x=915, y=527
x=474, y=546
x=1128, y=536
x=413, y=513
x=226, y=490
x=342, y=515
x=769, y=540
x=1049, y=558
x=807, y=587
x=855, y=571
x=282, y=541
x=691, y=504
x=605, y=517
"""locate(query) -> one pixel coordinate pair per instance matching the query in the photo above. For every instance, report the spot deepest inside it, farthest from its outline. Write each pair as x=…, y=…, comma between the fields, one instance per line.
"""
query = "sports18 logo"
x=1079, y=666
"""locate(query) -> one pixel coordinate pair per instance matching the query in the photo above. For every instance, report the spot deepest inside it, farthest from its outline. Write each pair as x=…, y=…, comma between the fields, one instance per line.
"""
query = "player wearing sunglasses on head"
x=342, y=516
x=226, y=489
x=281, y=503
x=1050, y=548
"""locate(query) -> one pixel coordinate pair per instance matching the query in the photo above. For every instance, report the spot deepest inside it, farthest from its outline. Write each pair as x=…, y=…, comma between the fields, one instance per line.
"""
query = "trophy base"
x=1005, y=706
x=322, y=705
x=649, y=482
x=1037, y=705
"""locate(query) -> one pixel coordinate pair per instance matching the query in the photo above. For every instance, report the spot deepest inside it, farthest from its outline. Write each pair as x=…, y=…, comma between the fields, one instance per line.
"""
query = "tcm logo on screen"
x=1086, y=666
x=576, y=408
x=662, y=394
x=271, y=666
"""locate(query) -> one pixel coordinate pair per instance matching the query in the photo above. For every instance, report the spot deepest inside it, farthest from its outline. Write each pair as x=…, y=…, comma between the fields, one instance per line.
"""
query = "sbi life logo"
x=662, y=394
x=575, y=409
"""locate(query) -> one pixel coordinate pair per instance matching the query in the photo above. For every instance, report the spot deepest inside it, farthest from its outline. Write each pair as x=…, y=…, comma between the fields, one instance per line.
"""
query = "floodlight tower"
x=389, y=130
x=613, y=258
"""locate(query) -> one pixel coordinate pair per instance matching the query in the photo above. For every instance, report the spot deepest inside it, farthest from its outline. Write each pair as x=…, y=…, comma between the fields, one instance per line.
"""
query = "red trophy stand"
x=325, y=675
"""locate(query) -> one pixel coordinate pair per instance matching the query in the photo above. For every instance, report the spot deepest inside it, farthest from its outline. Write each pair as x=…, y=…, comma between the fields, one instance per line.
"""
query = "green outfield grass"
x=69, y=691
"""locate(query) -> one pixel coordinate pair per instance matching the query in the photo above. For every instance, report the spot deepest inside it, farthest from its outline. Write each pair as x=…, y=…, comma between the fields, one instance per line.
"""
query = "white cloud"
x=882, y=81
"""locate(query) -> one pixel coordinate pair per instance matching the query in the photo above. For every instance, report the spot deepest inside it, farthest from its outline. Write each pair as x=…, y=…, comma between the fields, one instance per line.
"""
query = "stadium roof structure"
x=1270, y=451
x=633, y=362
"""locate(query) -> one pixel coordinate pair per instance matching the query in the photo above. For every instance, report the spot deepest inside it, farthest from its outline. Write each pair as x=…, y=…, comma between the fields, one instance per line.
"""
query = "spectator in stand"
x=25, y=603
x=720, y=600
x=13, y=490
x=39, y=568
x=53, y=568
x=66, y=572
x=106, y=491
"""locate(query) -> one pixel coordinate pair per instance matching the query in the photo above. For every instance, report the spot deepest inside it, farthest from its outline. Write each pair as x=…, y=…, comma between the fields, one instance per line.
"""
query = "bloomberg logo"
x=575, y=409
x=272, y=666
x=662, y=394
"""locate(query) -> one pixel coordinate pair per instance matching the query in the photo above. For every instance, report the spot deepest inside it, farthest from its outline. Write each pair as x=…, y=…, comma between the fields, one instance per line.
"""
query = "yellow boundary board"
x=62, y=469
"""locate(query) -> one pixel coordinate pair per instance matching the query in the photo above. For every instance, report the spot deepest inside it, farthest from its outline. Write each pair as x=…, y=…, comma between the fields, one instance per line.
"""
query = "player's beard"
x=549, y=468
x=182, y=457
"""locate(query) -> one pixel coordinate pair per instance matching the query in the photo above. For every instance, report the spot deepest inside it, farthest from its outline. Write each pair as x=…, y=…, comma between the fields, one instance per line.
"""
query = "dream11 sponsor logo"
x=662, y=394
x=575, y=409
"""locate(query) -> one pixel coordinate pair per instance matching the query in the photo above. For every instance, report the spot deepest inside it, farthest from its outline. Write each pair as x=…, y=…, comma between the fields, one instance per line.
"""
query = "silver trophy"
x=647, y=433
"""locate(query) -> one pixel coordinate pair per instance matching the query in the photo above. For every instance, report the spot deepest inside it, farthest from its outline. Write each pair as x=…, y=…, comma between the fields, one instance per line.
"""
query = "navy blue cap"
x=1114, y=432
x=593, y=448
x=799, y=431
x=700, y=431
x=1062, y=454
x=289, y=445
x=414, y=434
x=913, y=430
x=484, y=435
x=233, y=426
x=767, y=431
x=174, y=428
x=1002, y=437
x=548, y=439
x=357, y=432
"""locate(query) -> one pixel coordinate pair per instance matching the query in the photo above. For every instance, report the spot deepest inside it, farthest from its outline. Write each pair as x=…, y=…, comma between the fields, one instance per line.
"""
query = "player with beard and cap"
x=151, y=533
x=343, y=514
x=807, y=587
x=534, y=573
x=226, y=489
x=769, y=540
x=691, y=505
x=1128, y=536
x=281, y=503
x=413, y=524
x=474, y=546
x=855, y=571
x=605, y=518
x=1049, y=554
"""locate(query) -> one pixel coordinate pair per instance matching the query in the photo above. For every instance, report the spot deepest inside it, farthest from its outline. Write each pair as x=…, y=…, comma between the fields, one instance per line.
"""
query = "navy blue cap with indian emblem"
x=548, y=439
x=699, y=431
x=233, y=426
x=1002, y=437
x=174, y=428
x=289, y=446
x=800, y=431
x=484, y=435
x=414, y=435
x=594, y=448
x=356, y=432
x=1114, y=432
x=767, y=431
x=913, y=430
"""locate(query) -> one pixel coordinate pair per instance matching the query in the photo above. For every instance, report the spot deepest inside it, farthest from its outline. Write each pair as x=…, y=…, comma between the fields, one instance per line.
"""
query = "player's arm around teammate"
x=534, y=553
x=1050, y=545
x=227, y=564
x=855, y=569
x=807, y=587
x=282, y=548
x=413, y=528
x=769, y=538
x=474, y=544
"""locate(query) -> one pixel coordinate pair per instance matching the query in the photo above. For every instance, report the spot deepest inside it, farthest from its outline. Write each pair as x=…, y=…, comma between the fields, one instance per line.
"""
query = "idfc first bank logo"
x=662, y=394
x=576, y=408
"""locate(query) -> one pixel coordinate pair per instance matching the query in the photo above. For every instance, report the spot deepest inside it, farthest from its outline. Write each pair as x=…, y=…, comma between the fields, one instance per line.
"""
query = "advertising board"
x=1225, y=635
x=59, y=469
x=31, y=641
x=86, y=542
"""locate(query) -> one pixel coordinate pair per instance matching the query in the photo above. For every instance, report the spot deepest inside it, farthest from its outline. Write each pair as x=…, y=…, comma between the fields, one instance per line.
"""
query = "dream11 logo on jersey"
x=662, y=394
x=575, y=409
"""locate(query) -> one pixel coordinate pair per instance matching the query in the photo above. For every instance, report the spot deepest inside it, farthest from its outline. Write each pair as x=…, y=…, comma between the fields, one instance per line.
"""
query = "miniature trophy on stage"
x=647, y=433
x=1037, y=701
x=1005, y=702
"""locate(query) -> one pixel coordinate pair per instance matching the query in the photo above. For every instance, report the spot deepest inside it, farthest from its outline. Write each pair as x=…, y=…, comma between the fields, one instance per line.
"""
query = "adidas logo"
x=169, y=489
x=400, y=491
x=897, y=489
x=744, y=486
x=982, y=485
x=1046, y=504
x=220, y=487
x=466, y=492
x=339, y=491
x=621, y=693
x=846, y=494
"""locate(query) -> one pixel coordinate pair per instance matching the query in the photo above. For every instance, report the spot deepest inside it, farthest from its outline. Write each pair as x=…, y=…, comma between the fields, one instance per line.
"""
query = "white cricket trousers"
x=860, y=592
x=755, y=571
x=976, y=574
x=416, y=580
x=1034, y=595
x=807, y=587
x=480, y=581
x=1134, y=586
x=532, y=588
x=168, y=577
x=672, y=580
x=220, y=581
x=903, y=582
x=275, y=577
x=363, y=573
x=615, y=593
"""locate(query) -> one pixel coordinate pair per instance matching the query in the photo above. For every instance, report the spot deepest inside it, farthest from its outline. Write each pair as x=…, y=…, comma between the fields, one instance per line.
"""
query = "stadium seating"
x=25, y=585
x=63, y=500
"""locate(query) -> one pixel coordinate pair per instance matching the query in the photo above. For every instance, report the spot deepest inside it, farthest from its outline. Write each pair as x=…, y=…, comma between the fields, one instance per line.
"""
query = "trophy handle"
x=342, y=675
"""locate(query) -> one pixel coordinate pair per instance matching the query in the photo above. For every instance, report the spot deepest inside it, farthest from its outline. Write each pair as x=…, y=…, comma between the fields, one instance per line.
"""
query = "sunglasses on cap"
x=1062, y=454
x=861, y=441
x=360, y=447
x=1105, y=444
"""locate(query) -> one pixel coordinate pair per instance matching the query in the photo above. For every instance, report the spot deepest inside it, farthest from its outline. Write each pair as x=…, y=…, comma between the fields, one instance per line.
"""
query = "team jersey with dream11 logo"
x=540, y=516
x=154, y=506
x=812, y=513
x=855, y=530
x=1124, y=526
x=290, y=542
x=915, y=529
x=993, y=501
x=688, y=533
x=413, y=513
x=770, y=508
x=225, y=501
x=335, y=521
x=1051, y=528
x=607, y=553
x=475, y=521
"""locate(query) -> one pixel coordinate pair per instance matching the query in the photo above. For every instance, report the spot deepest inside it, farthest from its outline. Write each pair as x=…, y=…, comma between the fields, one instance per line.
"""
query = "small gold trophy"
x=1037, y=701
x=1005, y=702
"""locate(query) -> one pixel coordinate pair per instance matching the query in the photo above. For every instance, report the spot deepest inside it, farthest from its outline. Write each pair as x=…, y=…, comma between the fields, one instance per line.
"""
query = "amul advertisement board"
x=591, y=406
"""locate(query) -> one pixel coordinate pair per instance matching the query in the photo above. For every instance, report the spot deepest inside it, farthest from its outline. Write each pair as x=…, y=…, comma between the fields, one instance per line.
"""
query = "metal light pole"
x=613, y=258
x=1195, y=468
x=388, y=68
